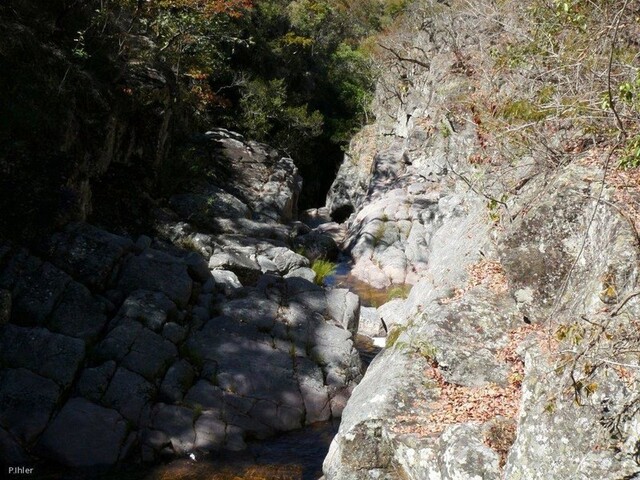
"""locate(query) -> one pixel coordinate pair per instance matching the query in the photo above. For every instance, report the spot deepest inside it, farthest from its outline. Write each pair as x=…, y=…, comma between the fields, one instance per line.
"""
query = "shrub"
x=323, y=269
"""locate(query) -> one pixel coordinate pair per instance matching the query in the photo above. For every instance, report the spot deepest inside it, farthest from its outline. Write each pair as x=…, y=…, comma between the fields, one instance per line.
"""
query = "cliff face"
x=512, y=355
x=76, y=128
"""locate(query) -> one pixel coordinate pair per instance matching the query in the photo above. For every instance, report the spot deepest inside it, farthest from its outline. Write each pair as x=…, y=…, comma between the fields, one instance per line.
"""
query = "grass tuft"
x=323, y=269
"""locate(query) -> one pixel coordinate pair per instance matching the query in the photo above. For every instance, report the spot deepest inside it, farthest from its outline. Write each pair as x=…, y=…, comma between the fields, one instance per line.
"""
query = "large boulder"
x=27, y=401
x=157, y=271
x=93, y=435
x=89, y=254
x=51, y=355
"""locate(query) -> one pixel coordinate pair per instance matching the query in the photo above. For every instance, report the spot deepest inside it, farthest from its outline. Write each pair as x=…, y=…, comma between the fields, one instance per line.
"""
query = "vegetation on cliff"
x=96, y=95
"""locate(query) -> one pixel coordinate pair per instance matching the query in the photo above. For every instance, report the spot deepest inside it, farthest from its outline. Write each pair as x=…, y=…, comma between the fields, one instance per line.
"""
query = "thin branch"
x=612, y=105
x=624, y=302
x=473, y=189
x=403, y=59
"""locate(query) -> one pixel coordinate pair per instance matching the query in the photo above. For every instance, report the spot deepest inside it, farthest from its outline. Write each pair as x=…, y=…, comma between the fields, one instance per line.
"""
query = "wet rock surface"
x=114, y=349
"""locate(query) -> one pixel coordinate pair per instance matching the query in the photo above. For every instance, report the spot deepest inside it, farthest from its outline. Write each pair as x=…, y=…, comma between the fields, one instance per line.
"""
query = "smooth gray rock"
x=304, y=273
x=344, y=307
x=177, y=381
x=79, y=314
x=174, y=333
x=157, y=271
x=150, y=355
x=317, y=244
x=51, y=355
x=119, y=341
x=279, y=417
x=210, y=431
x=314, y=392
x=20, y=265
x=204, y=395
x=11, y=453
x=285, y=260
x=177, y=424
x=93, y=435
x=152, y=309
x=5, y=306
x=156, y=441
x=197, y=267
x=211, y=203
x=369, y=323
x=128, y=393
x=234, y=440
x=27, y=401
x=94, y=381
x=246, y=269
x=88, y=254
x=225, y=280
x=266, y=265
x=257, y=311
x=143, y=242
x=36, y=294
x=331, y=345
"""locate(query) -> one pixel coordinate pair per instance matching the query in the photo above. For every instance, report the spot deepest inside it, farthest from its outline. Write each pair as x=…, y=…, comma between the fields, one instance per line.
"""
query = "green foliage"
x=290, y=72
x=267, y=115
x=323, y=269
x=630, y=156
x=394, y=334
x=493, y=205
x=398, y=291
x=573, y=333
x=427, y=350
x=444, y=129
x=597, y=94
x=194, y=357
x=522, y=110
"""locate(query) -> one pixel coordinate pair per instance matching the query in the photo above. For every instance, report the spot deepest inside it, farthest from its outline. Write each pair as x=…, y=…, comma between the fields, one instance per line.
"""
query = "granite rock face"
x=196, y=339
x=510, y=358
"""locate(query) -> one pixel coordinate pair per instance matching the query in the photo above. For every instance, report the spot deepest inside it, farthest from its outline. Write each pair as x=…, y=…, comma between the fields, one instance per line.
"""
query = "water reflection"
x=291, y=456
x=369, y=296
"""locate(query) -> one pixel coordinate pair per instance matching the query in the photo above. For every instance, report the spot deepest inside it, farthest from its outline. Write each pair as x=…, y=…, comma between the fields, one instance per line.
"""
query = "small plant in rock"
x=188, y=243
x=378, y=235
x=399, y=291
x=393, y=335
x=500, y=436
x=323, y=269
x=445, y=129
x=197, y=410
x=192, y=356
x=428, y=351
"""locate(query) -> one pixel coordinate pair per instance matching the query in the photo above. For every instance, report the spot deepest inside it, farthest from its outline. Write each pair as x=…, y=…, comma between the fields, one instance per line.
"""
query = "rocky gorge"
x=511, y=355
x=210, y=333
x=506, y=292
